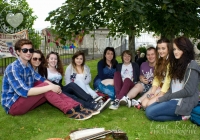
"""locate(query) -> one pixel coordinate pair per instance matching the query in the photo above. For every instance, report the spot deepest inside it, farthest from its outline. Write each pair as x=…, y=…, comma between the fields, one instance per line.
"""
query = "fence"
x=92, y=52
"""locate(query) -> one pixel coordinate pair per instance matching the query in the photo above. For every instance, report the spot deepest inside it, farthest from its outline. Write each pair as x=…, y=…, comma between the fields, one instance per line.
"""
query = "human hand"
x=157, y=97
x=144, y=80
x=56, y=88
x=150, y=95
x=47, y=81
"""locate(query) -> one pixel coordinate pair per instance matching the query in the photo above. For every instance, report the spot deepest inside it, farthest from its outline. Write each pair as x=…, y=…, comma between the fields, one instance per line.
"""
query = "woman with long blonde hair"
x=161, y=81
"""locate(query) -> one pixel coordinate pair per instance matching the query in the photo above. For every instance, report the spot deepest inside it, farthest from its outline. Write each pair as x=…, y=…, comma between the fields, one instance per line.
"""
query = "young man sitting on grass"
x=23, y=89
x=146, y=78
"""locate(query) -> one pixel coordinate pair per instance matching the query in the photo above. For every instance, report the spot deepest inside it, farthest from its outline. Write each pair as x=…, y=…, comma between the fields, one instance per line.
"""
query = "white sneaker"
x=134, y=102
x=123, y=101
x=114, y=105
x=98, y=98
x=129, y=102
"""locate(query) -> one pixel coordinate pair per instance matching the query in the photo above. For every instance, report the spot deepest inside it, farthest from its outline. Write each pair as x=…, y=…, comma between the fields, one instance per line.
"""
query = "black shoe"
x=97, y=106
x=105, y=105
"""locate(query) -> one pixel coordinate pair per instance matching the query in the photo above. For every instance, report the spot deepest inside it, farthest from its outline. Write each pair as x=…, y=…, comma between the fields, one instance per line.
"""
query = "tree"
x=74, y=16
x=167, y=18
x=23, y=20
x=172, y=18
x=35, y=37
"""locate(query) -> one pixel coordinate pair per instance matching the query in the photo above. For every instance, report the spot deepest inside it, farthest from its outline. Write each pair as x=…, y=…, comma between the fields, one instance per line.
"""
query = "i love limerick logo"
x=12, y=19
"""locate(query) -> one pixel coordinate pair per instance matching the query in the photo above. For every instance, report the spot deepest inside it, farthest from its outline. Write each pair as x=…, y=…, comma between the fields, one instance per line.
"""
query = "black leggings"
x=78, y=94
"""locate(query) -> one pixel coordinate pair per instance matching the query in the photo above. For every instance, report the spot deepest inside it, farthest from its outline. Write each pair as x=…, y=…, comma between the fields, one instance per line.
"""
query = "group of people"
x=167, y=82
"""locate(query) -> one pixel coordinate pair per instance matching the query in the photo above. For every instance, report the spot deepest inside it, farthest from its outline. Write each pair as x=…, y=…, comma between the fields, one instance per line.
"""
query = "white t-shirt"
x=176, y=85
x=56, y=77
x=80, y=77
x=127, y=72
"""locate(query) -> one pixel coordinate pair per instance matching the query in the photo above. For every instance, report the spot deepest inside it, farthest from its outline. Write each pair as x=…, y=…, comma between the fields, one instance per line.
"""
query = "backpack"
x=195, y=114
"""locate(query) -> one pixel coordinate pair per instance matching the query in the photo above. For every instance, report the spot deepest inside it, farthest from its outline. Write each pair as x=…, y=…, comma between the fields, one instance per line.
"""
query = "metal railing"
x=66, y=53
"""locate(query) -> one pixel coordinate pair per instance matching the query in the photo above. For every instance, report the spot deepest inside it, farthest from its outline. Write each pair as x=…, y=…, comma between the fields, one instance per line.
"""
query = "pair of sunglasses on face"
x=37, y=59
x=25, y=50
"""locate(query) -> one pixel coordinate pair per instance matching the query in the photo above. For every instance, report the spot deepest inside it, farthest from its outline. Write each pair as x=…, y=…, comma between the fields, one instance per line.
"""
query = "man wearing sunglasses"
x=21, y=93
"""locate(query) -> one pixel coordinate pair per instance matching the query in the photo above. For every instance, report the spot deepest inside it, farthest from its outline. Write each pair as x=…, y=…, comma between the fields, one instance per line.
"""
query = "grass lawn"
x=47, y=122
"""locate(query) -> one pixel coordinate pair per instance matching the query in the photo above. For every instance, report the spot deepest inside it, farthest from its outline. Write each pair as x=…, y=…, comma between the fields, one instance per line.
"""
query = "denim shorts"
x=146, y=87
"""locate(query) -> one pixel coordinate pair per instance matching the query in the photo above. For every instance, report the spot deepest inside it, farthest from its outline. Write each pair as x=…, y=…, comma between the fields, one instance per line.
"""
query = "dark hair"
x=178, y=66
x=59, y=67
x=161, y=63
x=75, y=56
x=127, y=52
x=22, y=42
x=41, y=68
x=113, y=61
x=151, y=48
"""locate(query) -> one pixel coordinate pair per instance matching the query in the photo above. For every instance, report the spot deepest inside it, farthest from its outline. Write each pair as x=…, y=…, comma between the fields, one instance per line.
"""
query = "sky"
x=41, y=9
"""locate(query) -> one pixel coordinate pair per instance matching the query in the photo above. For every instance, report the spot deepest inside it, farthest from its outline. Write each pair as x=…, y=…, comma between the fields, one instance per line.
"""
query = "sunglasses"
x=35, y=59
x=25, y=50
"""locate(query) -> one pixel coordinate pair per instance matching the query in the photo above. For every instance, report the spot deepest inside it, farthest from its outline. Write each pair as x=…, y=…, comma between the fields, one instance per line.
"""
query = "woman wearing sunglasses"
x=38, y=63
x=23, y=89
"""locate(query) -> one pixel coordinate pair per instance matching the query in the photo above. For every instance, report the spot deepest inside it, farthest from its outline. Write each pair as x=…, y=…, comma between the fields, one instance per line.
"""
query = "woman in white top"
x=54, y=74
x=79, y=73
x=54, y=68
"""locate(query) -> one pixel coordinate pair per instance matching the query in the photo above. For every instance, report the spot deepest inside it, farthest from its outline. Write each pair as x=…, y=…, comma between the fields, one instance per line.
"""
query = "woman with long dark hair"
x=106, y=68
x=38, y=62
x=183, y=95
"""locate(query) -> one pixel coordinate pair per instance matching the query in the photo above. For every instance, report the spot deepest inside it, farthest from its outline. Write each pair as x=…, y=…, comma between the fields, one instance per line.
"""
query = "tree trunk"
x=132, y=46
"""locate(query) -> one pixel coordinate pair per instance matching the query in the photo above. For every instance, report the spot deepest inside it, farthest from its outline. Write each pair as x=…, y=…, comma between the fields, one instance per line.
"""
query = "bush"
x=142, y=49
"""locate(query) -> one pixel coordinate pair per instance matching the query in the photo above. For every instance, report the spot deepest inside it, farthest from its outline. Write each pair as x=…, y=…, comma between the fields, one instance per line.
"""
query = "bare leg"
x=145, y=95
x=138, y=88
x=145, y=101
x=108, y=82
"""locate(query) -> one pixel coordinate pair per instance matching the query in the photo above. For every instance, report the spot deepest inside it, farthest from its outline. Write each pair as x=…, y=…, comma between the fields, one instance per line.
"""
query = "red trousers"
x=61, y=101
x=122, y=88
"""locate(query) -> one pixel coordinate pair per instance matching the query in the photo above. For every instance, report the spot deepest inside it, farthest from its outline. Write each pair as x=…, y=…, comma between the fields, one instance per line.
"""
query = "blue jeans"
x=164, y=111
x=96, y=83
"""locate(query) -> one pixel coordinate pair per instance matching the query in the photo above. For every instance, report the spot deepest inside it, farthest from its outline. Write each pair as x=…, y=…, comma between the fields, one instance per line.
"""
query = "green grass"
x=47, y=122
